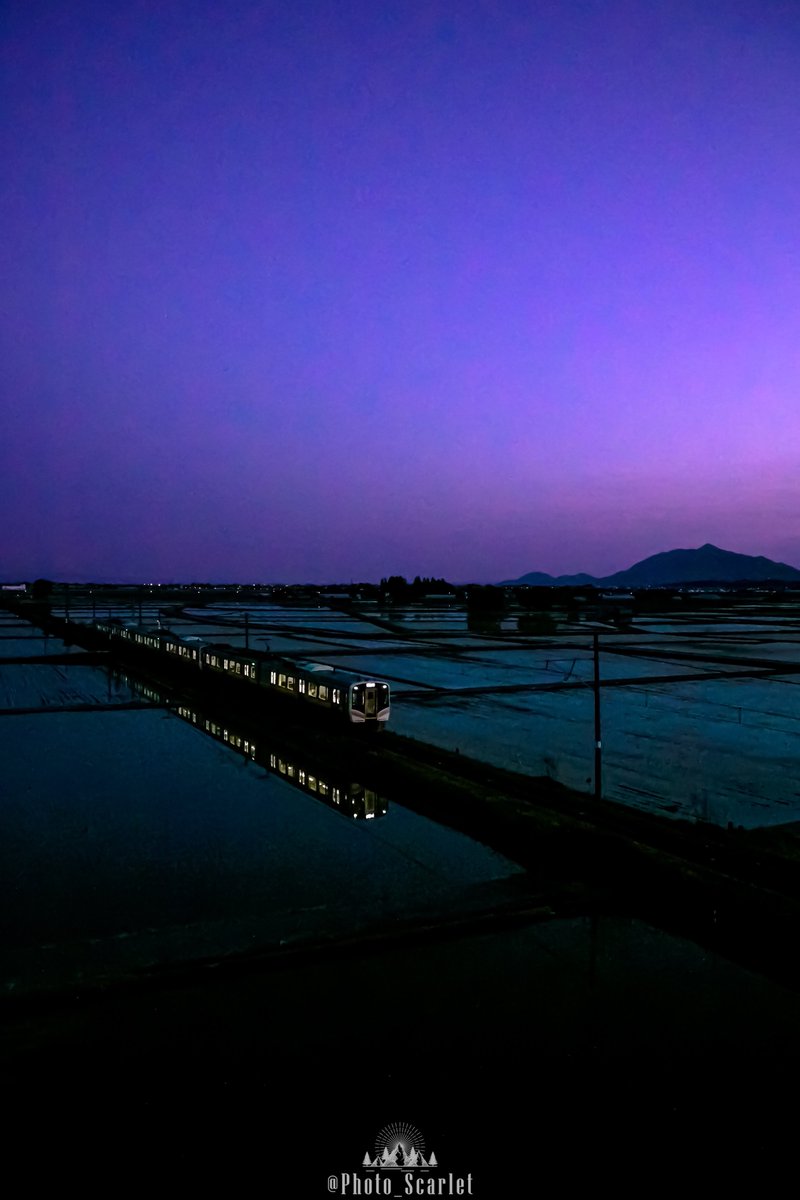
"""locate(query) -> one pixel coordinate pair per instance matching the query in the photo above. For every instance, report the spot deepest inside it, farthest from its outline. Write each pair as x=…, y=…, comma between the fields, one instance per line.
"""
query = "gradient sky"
x=320, y=290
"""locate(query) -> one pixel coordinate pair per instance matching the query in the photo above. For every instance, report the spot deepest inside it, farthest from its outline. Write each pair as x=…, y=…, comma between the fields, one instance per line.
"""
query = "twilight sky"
x=320, y=290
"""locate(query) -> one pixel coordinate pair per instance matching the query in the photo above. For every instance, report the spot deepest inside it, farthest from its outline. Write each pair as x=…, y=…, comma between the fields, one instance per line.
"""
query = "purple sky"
x=320, y=290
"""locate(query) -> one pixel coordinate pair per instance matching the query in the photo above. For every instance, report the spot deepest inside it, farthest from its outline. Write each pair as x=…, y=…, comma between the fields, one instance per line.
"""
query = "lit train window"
x=301, y=775
x=301, y=686
x=273, y=761
x=312, y=688
x=323, y=692
x=312, y=782
x=272, y=676
x=281, y=680
x=290, y=683
x=324, y=789
x=336, y=696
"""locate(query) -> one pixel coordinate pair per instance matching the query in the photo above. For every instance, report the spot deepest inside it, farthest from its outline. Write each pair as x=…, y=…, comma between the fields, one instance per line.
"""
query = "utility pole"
x=598, y=743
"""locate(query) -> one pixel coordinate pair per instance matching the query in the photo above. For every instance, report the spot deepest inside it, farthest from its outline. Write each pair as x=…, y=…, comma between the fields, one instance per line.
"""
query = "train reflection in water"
x=332, y=786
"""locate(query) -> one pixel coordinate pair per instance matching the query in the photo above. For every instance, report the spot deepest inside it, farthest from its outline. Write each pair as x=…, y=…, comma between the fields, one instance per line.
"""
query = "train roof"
x=326, y=671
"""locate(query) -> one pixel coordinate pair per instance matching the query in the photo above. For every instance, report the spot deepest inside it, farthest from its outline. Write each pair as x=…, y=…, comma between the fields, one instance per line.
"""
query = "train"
x=356, y=700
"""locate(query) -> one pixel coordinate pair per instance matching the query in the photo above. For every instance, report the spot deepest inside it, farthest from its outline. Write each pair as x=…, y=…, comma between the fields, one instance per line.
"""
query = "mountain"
x=707, y=564
x=539, y=579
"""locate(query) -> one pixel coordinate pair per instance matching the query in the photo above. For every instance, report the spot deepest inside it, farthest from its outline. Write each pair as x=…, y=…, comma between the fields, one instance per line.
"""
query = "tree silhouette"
x=41, y=590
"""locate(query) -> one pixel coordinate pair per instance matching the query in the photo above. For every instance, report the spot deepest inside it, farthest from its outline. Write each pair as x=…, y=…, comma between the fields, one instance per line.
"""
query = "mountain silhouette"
x=707, y=564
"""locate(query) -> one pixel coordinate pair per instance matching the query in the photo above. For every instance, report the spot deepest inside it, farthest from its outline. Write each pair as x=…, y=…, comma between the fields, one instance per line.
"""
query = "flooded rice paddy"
x=700, y=714
x=130, y=837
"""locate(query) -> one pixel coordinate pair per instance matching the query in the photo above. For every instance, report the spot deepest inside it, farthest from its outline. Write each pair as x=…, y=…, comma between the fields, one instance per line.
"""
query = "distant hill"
x=539, y=579
x=707, y=564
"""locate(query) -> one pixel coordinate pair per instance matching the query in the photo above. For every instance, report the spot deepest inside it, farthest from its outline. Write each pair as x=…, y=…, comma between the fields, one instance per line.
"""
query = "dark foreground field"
x=627, y=1007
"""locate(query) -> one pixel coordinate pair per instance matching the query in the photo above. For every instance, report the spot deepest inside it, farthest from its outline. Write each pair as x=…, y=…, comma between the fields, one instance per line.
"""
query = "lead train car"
x=362, y=702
